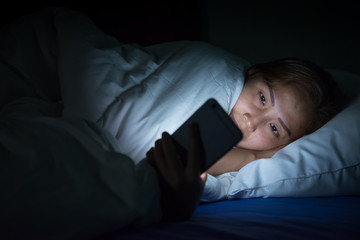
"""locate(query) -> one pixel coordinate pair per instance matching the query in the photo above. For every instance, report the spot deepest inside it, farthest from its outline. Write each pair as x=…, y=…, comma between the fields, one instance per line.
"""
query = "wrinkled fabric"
x=136, y=93
x=79, y=110
x=64, y=178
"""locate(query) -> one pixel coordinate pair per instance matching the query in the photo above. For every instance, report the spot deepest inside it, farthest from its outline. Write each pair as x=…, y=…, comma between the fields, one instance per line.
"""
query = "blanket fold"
x=135, y=92
x=79, y=111
x=65, y=179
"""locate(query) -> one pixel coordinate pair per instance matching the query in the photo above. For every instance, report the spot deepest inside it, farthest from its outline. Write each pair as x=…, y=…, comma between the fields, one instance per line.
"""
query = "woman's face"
x=270, y=116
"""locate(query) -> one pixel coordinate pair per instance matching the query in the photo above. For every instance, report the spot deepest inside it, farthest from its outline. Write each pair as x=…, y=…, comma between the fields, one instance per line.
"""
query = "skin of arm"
x=237, y=158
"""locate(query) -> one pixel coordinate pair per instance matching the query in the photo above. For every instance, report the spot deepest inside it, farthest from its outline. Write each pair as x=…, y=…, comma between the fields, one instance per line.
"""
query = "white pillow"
x=325, y=163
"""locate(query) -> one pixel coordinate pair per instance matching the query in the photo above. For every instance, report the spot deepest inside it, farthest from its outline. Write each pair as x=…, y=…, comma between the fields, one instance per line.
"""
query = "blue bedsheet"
x=269, y=218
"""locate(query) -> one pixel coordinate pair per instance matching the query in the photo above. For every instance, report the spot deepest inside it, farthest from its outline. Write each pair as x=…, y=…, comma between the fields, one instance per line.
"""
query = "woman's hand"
x=181, y=187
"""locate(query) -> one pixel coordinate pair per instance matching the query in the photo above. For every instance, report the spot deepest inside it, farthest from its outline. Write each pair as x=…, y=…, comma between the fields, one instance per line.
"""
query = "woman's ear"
x=250, y=72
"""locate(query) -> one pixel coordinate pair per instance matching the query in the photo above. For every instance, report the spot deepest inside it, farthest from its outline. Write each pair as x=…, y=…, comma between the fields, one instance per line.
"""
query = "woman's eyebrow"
x=284, y=126
x=272, y=98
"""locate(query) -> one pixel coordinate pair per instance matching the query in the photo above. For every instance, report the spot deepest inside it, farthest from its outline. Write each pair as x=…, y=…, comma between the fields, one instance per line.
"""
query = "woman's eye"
x=274, y=129
x=262, y=98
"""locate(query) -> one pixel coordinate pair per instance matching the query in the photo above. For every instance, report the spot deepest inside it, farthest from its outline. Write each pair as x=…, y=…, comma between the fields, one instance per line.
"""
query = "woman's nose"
x=251, y=121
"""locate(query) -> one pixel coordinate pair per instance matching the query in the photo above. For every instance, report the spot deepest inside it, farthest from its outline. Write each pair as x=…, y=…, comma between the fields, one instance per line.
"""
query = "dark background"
x=327, y=32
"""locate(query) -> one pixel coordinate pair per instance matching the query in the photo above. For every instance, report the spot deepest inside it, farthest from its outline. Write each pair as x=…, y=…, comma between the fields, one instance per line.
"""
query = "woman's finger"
x=159, y=158
x=203, y=177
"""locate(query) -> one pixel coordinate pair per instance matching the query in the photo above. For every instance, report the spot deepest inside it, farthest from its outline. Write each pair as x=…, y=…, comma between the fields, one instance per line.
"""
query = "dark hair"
x=318, y=84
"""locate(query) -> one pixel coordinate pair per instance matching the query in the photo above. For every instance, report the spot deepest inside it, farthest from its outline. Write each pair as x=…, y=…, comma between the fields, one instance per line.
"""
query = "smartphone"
x=218, y=133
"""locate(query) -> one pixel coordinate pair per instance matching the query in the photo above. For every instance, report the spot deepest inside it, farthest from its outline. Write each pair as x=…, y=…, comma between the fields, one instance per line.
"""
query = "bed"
x=271, y=218
x=73, y=96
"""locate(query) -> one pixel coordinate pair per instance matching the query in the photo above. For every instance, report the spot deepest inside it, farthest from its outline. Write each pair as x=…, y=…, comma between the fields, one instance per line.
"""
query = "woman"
x=281, y=101
x=75, y=172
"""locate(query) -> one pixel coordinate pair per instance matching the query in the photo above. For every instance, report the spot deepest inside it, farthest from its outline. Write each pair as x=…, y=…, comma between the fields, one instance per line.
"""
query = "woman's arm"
x=234, y=160
x=237, y=158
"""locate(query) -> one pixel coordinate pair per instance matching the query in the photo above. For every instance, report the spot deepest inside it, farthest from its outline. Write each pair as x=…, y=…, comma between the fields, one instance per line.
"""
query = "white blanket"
x=68, y=171
x=137, y=93
x=65, y=179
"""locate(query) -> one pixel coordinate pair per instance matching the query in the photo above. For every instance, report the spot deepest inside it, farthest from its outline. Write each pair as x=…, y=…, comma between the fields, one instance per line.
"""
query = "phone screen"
x=218, y=132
